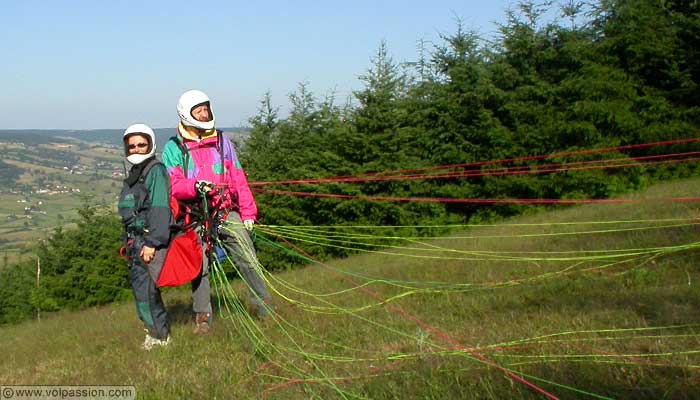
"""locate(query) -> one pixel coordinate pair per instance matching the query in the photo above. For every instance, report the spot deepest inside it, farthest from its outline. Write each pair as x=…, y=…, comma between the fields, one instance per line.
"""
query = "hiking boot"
x=152, y=342
x=202, y=324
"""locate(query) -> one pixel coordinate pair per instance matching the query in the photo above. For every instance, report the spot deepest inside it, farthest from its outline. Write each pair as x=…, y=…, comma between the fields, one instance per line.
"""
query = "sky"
x=82, y=65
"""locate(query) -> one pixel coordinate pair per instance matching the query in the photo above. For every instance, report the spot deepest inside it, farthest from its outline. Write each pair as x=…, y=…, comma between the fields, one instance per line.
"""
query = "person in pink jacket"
x=201, y=159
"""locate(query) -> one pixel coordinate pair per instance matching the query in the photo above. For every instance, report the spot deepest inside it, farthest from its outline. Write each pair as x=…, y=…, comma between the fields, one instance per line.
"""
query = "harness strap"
x=147, y=169
x=194, y=213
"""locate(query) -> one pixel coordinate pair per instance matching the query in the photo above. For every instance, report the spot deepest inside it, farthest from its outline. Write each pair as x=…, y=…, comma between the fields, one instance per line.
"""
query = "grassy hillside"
x=595, y=301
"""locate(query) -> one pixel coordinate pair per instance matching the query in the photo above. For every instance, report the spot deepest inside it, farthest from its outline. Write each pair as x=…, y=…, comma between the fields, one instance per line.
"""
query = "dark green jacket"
x=144, y=206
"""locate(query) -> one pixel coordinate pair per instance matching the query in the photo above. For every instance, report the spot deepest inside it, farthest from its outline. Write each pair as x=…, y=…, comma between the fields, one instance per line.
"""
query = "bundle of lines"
x=493, y=168
x=338, y=327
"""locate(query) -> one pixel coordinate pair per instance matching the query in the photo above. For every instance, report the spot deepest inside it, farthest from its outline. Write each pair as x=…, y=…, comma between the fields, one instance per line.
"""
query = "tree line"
x=612, y=73
x=616, y=73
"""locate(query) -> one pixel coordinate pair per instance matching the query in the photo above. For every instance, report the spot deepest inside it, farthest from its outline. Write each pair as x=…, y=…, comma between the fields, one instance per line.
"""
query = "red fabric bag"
x=183, y=261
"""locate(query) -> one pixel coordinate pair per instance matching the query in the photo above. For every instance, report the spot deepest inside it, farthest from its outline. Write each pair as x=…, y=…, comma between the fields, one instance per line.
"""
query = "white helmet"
x=189, y=100
x=145, y=131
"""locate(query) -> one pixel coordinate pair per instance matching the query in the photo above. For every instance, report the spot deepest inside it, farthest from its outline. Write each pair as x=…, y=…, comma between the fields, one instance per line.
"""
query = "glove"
x=249, y=224
x=203, y=187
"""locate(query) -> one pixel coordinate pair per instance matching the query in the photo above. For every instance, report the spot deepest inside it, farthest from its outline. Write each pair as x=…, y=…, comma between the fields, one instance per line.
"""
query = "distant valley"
x=107, y=136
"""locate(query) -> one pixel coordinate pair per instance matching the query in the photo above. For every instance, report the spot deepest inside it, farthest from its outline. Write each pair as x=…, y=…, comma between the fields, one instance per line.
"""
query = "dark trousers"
x=149, y=303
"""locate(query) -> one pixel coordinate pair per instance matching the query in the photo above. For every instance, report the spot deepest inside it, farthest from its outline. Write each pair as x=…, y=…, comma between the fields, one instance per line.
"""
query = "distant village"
x=117, y=172
x=42, y=183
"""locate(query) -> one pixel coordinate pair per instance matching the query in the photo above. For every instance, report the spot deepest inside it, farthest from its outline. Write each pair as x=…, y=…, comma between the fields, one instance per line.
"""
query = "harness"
x=191, y=214
x=183, y=259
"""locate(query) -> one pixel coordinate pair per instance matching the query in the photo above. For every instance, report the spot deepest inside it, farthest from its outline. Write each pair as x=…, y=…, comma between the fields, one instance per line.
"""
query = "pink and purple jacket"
x=204, y=163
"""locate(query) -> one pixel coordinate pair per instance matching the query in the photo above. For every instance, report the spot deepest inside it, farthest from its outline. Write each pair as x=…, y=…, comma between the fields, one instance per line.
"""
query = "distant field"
x=28, y=166
x=83, y=170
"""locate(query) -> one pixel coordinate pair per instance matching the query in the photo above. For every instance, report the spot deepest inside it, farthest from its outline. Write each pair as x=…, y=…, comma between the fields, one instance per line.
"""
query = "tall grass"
x=378, y=325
